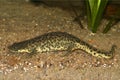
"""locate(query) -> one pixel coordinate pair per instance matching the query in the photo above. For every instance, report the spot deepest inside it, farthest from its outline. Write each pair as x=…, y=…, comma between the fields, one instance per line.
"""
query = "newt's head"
x=18, y=47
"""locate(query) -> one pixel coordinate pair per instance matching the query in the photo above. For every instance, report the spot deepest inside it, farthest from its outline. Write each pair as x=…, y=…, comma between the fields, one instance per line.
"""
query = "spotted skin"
x=56, y=41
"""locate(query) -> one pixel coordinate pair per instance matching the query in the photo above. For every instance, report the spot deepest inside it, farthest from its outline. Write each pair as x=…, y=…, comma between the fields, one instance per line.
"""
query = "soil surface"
x=20, y=21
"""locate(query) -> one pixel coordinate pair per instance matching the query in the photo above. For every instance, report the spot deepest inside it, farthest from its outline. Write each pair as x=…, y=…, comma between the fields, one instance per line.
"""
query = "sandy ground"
x=22, y=21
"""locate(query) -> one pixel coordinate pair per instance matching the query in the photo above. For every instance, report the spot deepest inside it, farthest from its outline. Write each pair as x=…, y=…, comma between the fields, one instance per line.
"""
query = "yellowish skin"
x=56, y=41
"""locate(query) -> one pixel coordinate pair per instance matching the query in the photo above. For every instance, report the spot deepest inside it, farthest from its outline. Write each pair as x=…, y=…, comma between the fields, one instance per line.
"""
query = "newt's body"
x=55, y=41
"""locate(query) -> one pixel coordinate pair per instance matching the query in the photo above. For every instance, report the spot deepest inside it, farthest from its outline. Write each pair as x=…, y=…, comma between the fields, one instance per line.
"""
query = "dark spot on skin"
x=94, y=53
x=90, y=50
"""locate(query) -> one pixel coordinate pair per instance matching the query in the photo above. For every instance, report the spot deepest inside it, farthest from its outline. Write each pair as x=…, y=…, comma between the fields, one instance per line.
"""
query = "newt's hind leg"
x=69, y=50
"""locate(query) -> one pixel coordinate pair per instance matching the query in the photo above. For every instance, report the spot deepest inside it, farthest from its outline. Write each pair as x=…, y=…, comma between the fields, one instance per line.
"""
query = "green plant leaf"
x=95, y=10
